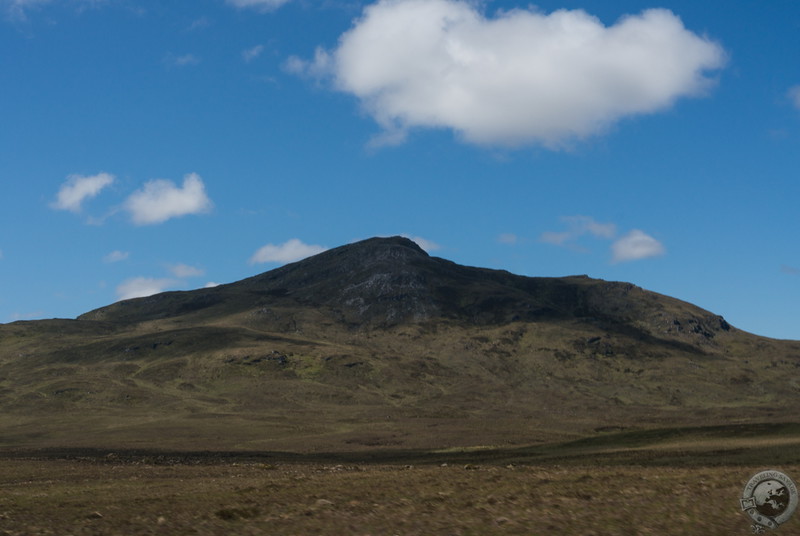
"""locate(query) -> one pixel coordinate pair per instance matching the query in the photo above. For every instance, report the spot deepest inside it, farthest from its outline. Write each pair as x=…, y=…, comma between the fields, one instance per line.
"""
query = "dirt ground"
x=110, y=496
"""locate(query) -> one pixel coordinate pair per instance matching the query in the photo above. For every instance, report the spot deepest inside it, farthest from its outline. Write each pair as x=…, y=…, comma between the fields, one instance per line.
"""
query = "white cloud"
x=321, y=66
x=79, y=188
x=578, y=227
x=200, y=24
x=27, y=316
x=794, y=96
x=260, y=5
x=520, y=77
x=181, y=61
x=17, y=8
x=425, y=244
x=290, y=251
x=636, y=245
x=252, y=53
x=116, y=256
x=211, y=284
x=139, y=287
x=507, y=238
x=160, y=200
x=184, y=270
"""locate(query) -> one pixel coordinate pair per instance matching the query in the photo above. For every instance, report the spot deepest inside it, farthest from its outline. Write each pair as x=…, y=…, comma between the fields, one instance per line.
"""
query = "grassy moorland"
x=377, y=345
x=623, y=484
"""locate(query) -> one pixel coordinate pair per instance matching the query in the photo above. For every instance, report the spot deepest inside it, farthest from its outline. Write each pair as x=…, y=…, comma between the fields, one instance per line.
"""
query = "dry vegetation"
x=59, y=497
x=610, y=487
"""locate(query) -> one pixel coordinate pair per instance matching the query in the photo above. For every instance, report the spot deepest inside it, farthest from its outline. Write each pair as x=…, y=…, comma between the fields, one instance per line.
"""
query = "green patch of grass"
x=306, y=367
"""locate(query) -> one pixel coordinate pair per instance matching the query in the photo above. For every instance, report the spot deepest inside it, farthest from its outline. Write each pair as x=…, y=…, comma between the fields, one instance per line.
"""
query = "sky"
x=148, y=146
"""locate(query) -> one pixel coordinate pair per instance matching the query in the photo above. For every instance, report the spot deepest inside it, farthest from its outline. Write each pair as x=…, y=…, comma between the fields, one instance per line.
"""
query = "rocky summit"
x=384, y=282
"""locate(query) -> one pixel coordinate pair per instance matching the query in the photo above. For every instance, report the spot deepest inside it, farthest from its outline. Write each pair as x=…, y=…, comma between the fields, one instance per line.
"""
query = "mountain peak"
x=374, y=281
x=386, y=281
x=388, y=243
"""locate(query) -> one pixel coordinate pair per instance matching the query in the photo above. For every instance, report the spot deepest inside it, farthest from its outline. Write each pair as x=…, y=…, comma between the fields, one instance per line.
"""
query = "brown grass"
x=119, y=493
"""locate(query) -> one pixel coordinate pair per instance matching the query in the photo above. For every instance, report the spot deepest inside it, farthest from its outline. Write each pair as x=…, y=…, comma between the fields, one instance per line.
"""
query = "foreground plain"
x=621, y=486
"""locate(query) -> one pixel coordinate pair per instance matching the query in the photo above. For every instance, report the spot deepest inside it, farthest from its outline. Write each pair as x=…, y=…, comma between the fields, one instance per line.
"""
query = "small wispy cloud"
x=794, y=96
x=290, y=251
x=786, y=269
x=18, y=9
x=424, y=243
x=183, y=60
x=259, y=5
x=319, y=67
x=199, y=24
x=27, y=316
x=252, y=53
x=79, y=188
x=184, y=271
x=578, y=226
x=140, y=287
x=636, y=245
x=508, y=238
x=160, y=200
x=116, y=256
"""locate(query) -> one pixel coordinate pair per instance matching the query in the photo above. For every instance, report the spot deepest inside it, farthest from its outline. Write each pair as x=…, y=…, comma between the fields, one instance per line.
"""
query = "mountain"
x=384, y=282
x=377, y=344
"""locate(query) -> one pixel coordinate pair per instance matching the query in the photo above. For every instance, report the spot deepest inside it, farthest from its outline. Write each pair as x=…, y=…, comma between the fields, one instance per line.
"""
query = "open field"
x=618, y=484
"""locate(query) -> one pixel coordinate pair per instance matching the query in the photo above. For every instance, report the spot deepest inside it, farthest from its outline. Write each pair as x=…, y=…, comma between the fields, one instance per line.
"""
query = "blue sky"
x=149, y=146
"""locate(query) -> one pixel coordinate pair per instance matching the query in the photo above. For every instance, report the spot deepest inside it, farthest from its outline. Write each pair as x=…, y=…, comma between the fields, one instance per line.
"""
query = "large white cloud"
x=290, y=251
x=139, y=287
x=261, y=5
x=519, y=77
x=79, y=188
x=160, y=200
x=636, y=245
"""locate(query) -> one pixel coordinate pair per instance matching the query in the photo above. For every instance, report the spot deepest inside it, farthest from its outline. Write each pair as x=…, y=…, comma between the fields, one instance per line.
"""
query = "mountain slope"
x=377, y=344
x=383, y=282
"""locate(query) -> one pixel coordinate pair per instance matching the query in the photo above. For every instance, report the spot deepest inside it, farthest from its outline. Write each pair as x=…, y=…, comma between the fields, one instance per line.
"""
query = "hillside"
x=379, y=345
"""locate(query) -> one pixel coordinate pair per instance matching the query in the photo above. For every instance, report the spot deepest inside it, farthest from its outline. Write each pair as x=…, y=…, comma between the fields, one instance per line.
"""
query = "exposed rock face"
x=374, y=282
x=382, y=282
